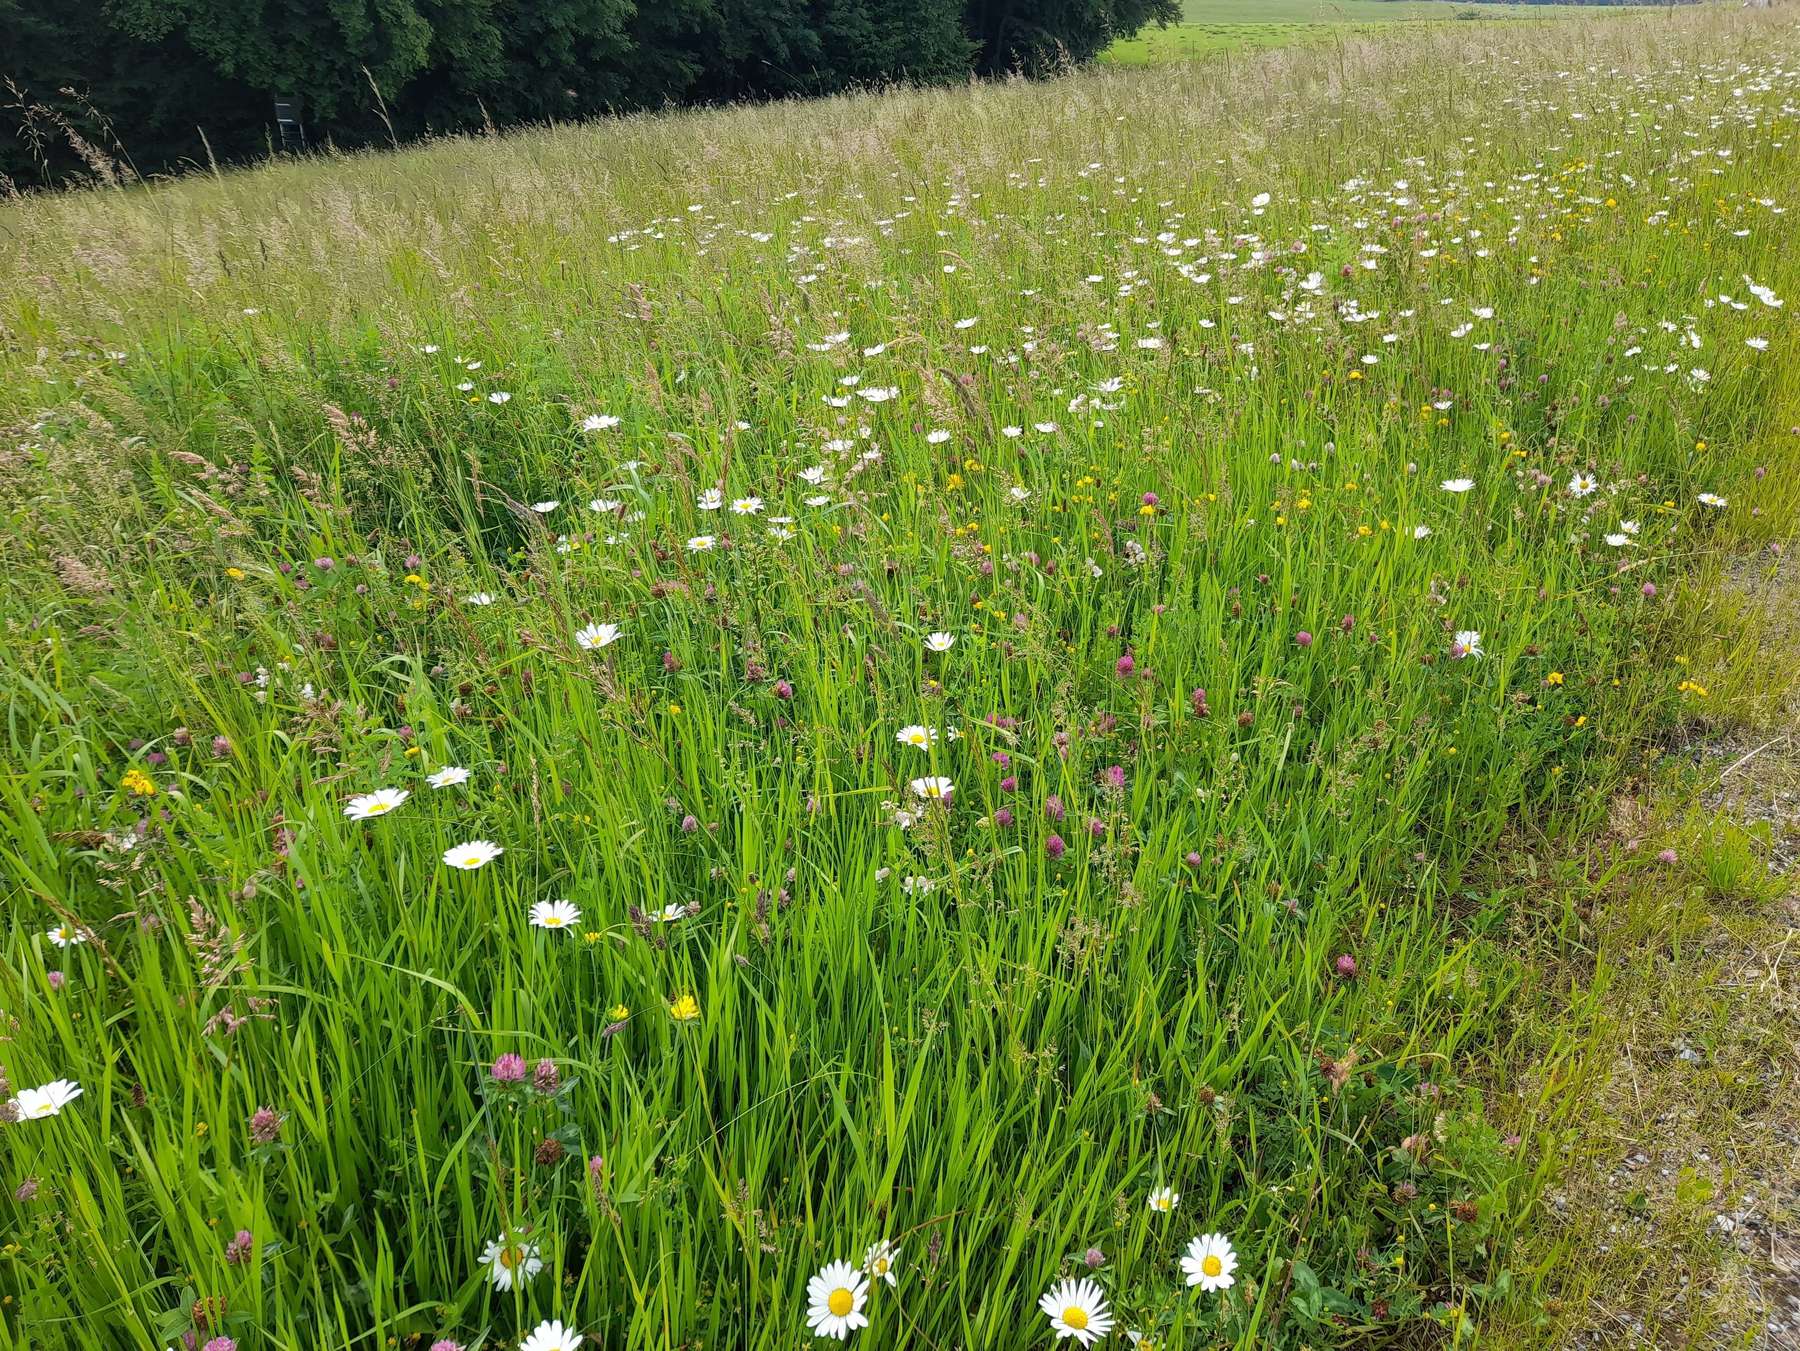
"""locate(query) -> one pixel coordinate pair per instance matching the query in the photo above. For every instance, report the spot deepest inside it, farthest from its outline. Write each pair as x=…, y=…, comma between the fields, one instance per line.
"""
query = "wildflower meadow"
x=867, y=721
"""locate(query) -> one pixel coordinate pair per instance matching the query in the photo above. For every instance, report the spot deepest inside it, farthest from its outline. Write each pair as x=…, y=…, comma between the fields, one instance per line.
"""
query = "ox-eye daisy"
x=1077, y=1309
x=1164, y=1199
x=880, y=1260
x=510, y=1262
x=835, y=1299
x=1209, y=1262
x=596, y=636
x=65, y=935
x=1458, y=485
x=379, y=803
x=935, y=787
x=555, y=915
x=551, y=1335
x=448, y=777
x=472, y=855
x=34, y=1104
x=922, y=737
x=939, y=642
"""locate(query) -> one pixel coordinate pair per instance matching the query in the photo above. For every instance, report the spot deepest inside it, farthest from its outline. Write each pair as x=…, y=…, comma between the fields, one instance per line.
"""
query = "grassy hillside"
x=1013, y=618
x=1228, y=25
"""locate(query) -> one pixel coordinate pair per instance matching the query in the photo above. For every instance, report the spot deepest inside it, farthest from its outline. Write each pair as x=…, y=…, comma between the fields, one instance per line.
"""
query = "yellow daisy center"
x=511, y=1257
x=1211, y=1265
x=1075, y=1317
x=881, y=1266
x=840, y=1302
x=553, y=921
x=377, y=808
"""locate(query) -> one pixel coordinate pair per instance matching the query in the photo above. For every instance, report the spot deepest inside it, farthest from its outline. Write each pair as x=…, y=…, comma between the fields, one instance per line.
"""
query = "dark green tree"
x=1039, y=36
x=166, y=83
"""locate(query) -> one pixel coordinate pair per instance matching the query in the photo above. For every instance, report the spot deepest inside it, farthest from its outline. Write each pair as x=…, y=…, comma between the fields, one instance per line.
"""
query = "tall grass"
x=1197, y=913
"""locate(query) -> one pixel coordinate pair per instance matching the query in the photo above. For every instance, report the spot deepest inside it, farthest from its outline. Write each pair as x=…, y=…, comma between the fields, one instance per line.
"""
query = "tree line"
x=115, y=88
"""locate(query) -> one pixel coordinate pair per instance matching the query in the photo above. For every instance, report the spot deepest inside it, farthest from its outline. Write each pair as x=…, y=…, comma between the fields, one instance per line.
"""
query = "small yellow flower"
x=674, y=709
x=684, y=1008
x=1554, y=678
x=138, y=783
x=236, y=574
x=619, y=1012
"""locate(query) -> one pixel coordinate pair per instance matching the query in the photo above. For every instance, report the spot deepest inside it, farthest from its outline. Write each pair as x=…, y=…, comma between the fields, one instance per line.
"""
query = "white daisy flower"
x=1458, y=485
x=1077, y=1309
x=1421, y=531
x=747, y=506
x=479, y=598
x=1712, y=500
x=65, y=935
x=1582, y=484
x=499, y=395
x=34, y=1104
x=1466, y=643
x=1209, y=1262
x=604, y=505
x=599, y=422
x=1164, y=1199
x=511, y=1263
x=448, y=777
x=922, y=737
x=472, y=854
x=546, y=507
x=880, y=1260
x=699, y=544
x=835, y=1299
x=555, y=915
x=379, y=803
x=936, y=787
x=711, y=500
x=596, y=636
x=939, y=642
x=551, y=1335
